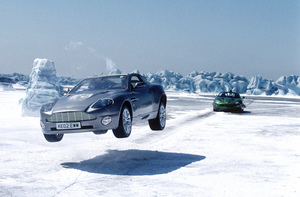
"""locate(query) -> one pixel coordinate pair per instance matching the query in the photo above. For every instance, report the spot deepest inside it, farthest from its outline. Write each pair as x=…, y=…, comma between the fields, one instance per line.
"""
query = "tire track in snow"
x=68, y=186
x=249, y=102
x=175, y=126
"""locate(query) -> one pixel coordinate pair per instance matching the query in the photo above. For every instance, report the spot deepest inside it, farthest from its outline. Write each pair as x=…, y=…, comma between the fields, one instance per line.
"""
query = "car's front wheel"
x=125, y=124
x=54, y=137
x=159, y=122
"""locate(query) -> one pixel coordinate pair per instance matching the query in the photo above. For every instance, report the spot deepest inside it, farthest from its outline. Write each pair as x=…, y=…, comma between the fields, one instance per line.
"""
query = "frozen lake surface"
x=200, y=153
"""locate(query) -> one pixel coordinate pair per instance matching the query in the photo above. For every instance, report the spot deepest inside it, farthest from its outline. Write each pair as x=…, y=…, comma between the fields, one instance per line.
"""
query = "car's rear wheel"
x=54, y=137
x=159, y=122
x=125, y=124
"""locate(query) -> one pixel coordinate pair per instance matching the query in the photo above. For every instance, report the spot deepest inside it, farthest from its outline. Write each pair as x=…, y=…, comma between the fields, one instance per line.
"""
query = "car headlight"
x=103, y=103
x=47, y=106
x=217, y=101
x=237, y=102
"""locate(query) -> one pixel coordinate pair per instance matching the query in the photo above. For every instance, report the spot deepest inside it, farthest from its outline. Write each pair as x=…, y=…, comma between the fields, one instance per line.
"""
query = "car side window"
x=135, y=79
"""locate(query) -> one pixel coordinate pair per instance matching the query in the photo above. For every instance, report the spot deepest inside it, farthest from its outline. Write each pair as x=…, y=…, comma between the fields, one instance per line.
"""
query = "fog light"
x=106, y=120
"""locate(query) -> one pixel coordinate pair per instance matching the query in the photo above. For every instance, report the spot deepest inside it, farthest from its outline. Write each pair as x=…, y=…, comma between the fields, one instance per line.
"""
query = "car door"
x=141, y=96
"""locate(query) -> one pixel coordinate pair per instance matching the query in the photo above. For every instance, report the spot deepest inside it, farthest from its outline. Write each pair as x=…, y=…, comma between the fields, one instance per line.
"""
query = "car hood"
x=79, y=102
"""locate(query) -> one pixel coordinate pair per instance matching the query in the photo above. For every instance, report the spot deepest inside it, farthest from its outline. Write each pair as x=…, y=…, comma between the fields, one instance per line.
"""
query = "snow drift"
x=218, y=82
x=43, y=86
x=194, y=82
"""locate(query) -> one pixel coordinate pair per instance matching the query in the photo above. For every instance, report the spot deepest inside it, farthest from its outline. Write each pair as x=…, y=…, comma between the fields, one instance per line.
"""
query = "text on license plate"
x=71, y=125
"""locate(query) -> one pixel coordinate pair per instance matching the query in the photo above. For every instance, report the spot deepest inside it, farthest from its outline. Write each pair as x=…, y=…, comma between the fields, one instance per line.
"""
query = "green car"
x=228, y=101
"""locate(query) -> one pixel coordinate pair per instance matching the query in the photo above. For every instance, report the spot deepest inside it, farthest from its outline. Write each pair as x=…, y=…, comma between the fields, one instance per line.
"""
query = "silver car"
x=98, y=104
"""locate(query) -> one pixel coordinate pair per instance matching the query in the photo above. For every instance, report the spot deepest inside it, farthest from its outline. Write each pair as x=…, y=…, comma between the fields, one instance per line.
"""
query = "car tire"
x=159, y=122
x=54, y=137
x=125, y=124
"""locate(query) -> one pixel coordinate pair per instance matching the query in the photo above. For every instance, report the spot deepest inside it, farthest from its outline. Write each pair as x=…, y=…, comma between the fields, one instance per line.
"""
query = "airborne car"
x=98, y=104
x=228, y=101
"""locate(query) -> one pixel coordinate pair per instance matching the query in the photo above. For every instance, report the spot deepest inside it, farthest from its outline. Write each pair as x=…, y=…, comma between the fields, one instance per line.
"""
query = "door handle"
x=133, y=99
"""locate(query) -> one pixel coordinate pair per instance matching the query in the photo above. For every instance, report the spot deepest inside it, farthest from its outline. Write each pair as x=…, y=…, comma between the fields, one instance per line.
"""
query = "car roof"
x=99, y=76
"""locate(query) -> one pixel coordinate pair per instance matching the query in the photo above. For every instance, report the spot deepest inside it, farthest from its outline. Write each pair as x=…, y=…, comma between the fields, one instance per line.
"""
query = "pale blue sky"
x=243, y=37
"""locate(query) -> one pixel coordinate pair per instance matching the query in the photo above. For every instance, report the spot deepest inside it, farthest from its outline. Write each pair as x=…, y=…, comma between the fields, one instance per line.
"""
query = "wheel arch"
x=127, y=104
x=163, y=99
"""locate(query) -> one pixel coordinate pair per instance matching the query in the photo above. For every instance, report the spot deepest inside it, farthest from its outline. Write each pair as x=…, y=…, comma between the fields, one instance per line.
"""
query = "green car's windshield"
x=100, y=83
x=229, y=94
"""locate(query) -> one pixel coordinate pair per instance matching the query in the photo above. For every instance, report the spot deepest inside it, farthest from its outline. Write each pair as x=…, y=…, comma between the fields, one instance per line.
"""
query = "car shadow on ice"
x=243, y=112
x=246, y=112
x=134, y=162
x=235, y=112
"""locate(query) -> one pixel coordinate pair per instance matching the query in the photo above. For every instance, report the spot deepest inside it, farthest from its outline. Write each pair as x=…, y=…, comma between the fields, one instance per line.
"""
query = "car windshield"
x=229, y=94
x=100, y=83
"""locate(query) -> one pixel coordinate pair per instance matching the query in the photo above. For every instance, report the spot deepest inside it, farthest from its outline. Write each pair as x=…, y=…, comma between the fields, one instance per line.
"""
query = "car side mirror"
x=66, y=90
x=139, y=85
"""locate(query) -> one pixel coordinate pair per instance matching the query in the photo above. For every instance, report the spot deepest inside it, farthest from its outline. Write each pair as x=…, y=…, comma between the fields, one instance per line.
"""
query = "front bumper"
x=228, y=107
x=86, y=125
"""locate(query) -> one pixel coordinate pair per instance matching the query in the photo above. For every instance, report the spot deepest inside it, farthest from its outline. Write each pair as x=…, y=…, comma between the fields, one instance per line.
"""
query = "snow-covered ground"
x=200, y=153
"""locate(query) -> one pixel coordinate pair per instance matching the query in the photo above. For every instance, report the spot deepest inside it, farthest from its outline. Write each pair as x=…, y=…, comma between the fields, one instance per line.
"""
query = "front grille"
x=70, y=117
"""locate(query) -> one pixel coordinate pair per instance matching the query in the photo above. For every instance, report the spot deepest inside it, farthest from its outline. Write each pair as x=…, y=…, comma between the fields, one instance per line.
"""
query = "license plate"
x=71, y=125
